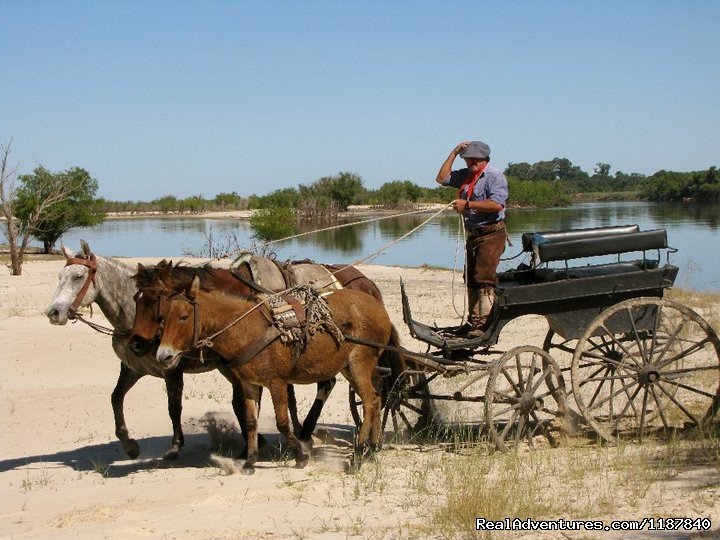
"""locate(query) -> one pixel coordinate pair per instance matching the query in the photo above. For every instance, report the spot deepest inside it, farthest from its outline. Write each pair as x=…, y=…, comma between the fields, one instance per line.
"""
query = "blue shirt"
x=491, y=185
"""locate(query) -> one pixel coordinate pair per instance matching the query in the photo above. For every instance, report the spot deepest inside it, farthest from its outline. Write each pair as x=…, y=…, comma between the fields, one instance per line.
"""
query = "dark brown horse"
x=235, y=326
x=155, y=283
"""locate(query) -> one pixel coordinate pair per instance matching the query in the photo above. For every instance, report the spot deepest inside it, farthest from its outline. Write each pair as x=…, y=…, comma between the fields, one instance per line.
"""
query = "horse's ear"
x=85, y=248
x=140, y=267
x=66, y=251
x=194, y=288
x=164, y=271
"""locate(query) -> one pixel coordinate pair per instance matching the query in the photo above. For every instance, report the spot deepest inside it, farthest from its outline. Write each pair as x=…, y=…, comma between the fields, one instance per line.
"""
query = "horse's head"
x=153, y=290
x=77, y=286
x=181, y=325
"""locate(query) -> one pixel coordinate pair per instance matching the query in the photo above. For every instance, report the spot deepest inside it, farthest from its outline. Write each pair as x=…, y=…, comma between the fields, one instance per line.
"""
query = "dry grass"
x=450, y=485
x=707, y=304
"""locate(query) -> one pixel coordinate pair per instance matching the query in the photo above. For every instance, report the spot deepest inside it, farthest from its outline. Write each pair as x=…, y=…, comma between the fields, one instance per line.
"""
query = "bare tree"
x=18, y=231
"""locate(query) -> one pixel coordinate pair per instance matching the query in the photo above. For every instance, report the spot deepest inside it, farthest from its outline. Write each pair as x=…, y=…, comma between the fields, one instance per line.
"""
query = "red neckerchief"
x=471, y=183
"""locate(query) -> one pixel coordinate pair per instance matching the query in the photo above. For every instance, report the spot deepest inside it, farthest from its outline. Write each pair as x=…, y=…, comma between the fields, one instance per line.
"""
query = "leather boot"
x=480, y=315
x=473, y=296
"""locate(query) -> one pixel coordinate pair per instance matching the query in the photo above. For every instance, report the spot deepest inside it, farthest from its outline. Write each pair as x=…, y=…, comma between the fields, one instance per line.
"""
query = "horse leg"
x=126, y=380
x=174, y=385
x=292, y=407
x=238, y=405
x=252, y=401
x=279, y=393
x=363, y=384
x=323, y=393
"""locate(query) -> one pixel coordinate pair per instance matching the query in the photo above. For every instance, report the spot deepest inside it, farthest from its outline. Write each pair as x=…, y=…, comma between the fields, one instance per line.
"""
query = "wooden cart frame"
x=641, y=364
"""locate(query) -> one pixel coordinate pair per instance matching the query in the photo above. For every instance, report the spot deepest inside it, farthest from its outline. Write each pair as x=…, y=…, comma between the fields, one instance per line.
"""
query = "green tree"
x=77, y=208
x=521, y=171
x=397, y=193
x=286, y=198
x=166, y=204
x=272, y=223
x=229, y=200
x=342, y=190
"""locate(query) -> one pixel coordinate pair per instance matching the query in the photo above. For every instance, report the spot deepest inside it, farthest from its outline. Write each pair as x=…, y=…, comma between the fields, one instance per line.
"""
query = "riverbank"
x=353, y=210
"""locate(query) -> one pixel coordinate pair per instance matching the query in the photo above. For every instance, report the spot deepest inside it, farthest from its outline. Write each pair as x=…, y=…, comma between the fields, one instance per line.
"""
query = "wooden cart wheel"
x=647, y=366
x=555, y=341
x=409, y=406
x=525, y=398
x=405, y=402
x=385, y=382
x=355, y=407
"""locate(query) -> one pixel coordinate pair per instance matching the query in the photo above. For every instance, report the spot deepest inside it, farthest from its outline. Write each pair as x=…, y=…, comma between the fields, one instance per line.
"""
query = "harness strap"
x=250, y=283
x=252, y=350
x=297, y=307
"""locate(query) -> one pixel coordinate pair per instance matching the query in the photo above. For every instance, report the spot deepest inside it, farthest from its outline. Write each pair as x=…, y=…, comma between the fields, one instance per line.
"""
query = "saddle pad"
x=264, y=271
x=316, y=275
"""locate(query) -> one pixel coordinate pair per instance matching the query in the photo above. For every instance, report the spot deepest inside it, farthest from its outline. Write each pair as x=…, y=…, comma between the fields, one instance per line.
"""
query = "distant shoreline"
x=356, y=210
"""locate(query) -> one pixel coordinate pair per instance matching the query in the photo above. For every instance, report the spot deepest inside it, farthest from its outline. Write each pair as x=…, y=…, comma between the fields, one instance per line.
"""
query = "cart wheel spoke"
x=660, y=348
x=508, y=425
x=659, y=405
x=536, y=381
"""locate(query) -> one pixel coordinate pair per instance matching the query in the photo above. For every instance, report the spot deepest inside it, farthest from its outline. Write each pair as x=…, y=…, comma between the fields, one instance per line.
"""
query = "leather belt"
x=486, y=229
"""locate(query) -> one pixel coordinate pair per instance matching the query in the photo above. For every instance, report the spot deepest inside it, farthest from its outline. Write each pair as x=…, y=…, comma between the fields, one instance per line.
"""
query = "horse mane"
x=179, y=276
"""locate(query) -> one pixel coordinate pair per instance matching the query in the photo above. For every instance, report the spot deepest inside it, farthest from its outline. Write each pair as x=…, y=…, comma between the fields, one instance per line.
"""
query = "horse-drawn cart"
x=640, y=364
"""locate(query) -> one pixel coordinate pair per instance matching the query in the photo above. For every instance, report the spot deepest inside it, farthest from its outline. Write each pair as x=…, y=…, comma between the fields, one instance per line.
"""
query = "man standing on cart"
x=481, y=199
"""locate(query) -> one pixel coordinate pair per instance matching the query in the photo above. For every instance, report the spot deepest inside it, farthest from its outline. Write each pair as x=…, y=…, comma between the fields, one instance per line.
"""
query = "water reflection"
x=706, y=215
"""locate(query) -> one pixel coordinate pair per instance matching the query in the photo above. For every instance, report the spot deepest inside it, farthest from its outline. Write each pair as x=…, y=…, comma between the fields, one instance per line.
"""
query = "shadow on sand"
x=110, y=460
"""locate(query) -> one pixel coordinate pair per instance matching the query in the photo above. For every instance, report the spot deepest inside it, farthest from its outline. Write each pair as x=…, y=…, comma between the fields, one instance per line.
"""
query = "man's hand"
x=460, y=205
x=460, y=147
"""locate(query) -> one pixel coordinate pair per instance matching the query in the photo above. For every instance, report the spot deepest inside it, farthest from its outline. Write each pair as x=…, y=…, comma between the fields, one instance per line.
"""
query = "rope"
x=99, y=328
x=403, y=237
x=255, y=247
x=207, y=342
x=460, y=242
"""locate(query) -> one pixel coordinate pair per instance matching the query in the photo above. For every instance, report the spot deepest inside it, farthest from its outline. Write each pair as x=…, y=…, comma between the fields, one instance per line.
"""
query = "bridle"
x=196, y=318
x=257, y=345
x=160, y=293
x=91, y=264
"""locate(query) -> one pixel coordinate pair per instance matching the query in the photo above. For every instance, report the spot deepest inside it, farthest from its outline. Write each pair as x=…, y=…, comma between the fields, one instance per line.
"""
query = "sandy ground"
x=64, y=475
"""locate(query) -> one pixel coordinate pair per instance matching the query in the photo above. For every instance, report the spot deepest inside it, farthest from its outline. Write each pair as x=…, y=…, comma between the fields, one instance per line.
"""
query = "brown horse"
x=192, y=315
x=155, y=283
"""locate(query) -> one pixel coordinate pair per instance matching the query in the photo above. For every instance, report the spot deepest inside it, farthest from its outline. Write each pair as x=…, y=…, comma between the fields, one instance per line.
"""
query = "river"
x=694, y=229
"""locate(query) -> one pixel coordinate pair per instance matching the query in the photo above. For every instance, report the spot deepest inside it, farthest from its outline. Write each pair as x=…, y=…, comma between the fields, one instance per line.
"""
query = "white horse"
x=88, y=278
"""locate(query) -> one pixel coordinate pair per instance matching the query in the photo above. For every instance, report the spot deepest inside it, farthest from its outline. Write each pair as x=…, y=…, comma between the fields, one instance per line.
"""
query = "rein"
x=99, y=328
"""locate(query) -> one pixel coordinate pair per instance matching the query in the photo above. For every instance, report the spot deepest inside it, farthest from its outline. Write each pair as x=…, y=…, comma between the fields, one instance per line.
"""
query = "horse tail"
x=394, y=360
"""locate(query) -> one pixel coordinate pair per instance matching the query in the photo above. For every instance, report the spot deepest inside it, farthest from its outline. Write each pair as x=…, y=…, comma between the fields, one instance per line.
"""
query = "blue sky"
x=186, y=98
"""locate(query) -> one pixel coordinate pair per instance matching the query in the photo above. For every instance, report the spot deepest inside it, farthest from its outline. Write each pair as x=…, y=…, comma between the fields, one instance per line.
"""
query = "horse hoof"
x=247, y=470
x=301, y=462
x=132, y=449
x=171, y=454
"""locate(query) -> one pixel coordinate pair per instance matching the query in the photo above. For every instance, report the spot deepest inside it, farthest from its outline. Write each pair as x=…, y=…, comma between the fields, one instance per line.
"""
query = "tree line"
x=544, y=184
